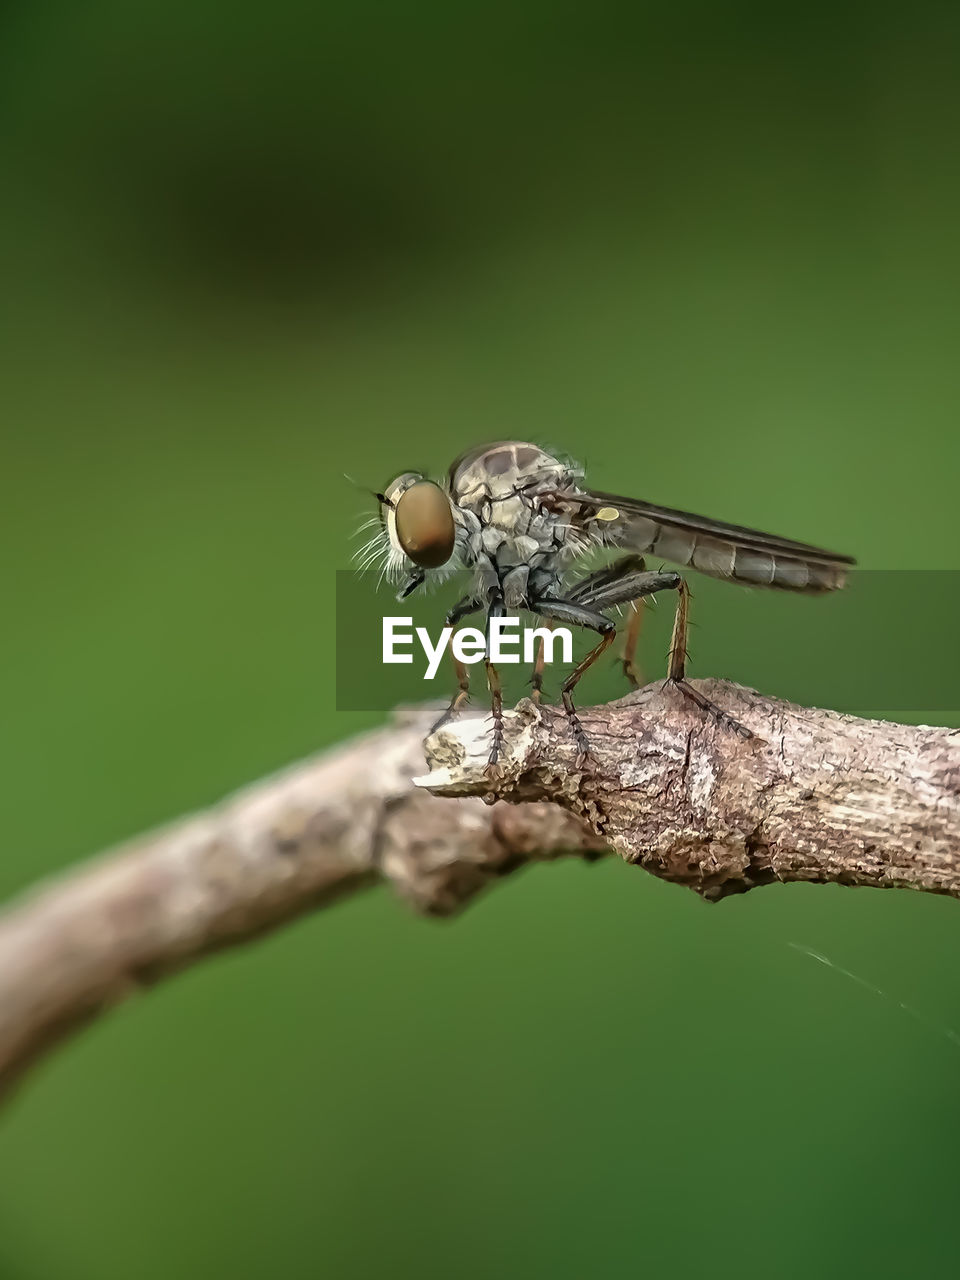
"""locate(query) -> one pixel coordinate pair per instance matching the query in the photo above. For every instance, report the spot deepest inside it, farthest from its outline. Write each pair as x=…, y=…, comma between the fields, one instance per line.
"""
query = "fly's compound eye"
x=425, y=528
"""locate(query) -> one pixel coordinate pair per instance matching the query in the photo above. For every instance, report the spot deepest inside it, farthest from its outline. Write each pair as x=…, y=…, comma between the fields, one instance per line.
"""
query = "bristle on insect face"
x=375, y=551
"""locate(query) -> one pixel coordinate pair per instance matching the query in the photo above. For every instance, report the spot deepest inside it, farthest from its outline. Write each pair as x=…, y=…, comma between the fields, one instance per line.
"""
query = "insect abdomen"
x=731, y=560
x=739, y=563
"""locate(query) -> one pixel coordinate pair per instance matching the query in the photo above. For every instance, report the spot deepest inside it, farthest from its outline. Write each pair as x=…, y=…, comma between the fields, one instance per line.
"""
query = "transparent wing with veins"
x=722, y=550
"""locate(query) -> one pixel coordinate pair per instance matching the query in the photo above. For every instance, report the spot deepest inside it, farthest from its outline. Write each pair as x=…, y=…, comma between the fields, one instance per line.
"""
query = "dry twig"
x=812, y=796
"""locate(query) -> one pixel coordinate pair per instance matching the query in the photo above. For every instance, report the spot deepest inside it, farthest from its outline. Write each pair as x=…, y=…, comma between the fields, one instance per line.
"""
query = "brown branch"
x=813, y=796
x=299, y=840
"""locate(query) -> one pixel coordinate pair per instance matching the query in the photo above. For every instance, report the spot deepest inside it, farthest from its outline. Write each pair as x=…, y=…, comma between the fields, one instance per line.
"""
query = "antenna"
x=380, y=497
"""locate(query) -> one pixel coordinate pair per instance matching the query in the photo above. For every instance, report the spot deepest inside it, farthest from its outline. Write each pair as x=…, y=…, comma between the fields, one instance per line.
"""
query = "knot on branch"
x=668, y=786
x=812, y=795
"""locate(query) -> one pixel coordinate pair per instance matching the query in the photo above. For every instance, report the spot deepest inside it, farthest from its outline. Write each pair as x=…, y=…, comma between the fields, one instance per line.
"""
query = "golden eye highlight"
x=424, y=523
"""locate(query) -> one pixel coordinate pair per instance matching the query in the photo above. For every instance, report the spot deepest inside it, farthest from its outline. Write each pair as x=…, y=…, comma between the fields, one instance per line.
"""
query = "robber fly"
x=520, y=519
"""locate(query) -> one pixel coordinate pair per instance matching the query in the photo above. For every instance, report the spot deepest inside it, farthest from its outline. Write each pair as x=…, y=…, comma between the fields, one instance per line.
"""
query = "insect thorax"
x=512, y=536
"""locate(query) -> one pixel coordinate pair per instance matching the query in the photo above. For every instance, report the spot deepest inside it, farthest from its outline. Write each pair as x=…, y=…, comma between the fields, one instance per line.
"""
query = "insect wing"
x=713, y=547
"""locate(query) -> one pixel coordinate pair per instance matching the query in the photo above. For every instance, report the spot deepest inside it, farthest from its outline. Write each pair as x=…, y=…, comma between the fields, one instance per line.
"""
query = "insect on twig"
x=519, y=520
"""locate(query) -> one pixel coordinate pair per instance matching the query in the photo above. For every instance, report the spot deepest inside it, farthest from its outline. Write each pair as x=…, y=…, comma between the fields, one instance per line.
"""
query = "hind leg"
x=567, y=611
x=677, y=666
x=459, y=611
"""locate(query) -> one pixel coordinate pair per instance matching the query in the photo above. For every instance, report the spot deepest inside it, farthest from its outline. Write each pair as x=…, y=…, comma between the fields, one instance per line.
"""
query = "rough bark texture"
x=812, y=796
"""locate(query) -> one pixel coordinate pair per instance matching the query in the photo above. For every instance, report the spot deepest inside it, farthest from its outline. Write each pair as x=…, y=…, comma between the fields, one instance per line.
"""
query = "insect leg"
x=606, y=576
x=677, y=657
x=459, y=611
x=568, y=611
x=495, y=609
x=413, y=581
x=600, y=577
x=634, y=626
x=611, y=578
x=536, y=678
x=633, y=586
x=677, y=666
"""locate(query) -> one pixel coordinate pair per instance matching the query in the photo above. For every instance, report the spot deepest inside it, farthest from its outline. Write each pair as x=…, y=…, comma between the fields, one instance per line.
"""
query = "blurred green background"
x=710, y=248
